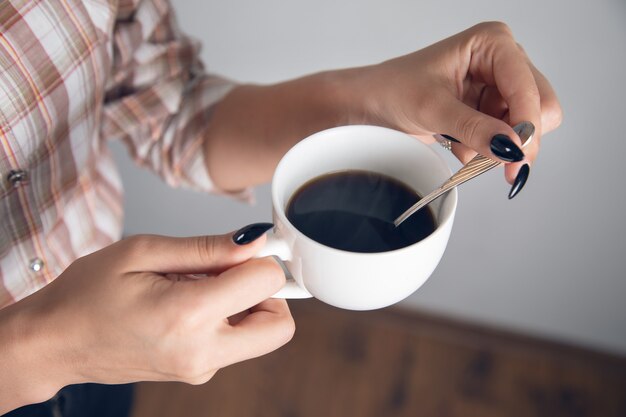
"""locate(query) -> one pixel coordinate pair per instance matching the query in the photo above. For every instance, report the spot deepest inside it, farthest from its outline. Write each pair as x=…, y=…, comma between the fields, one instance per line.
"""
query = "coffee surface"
x=354, y=211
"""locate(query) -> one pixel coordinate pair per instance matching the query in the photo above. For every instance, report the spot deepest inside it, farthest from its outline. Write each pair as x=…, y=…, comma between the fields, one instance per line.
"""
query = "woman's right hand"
x=133, y=312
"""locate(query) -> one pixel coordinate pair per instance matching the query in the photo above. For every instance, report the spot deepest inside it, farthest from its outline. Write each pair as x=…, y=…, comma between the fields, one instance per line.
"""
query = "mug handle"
x=276, y=246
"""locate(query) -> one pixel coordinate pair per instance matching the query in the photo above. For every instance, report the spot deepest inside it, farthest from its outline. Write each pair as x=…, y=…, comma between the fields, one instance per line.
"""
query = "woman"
x=78, y=308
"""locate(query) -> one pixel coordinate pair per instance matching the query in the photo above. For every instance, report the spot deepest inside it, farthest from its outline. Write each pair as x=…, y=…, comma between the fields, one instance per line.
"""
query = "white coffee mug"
x=350, y=280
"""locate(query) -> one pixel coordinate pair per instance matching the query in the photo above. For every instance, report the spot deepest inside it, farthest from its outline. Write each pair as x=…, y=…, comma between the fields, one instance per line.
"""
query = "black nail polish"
x=520, y=180
x=250, y=233
x=451, y=138
x=504, y=148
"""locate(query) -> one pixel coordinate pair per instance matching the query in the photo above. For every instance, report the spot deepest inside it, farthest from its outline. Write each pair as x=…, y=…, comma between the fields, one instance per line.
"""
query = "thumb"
x=484, y=134
x=187, y=255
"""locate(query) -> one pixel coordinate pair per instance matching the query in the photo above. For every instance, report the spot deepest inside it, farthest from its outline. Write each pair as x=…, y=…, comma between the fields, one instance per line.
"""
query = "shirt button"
x=36, y=265
x=17, y=177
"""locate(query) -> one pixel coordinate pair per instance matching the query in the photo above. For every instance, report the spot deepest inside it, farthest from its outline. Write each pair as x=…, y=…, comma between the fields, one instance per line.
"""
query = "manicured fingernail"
x=250, y=233
x=520, y=180
x=451, y=138
x=504, y=148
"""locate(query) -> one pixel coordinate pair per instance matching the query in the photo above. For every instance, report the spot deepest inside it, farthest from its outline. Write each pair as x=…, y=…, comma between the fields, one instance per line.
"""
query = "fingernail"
x=451, y=138
x=250, y=233
x=520, y=180
x=504, y=148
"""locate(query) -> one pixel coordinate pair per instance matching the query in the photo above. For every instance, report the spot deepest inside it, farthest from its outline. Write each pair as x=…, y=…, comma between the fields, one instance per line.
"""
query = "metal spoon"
x=478, y=165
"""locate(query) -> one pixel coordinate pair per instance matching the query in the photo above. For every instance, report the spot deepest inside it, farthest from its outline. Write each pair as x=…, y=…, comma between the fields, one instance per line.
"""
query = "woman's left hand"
x=472, y=86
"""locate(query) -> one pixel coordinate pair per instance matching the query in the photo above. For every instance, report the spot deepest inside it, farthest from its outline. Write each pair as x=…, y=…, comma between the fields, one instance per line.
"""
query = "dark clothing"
x=84, y=400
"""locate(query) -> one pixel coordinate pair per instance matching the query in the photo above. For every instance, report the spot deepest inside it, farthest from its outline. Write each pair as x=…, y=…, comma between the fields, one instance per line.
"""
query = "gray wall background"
x=552, y=262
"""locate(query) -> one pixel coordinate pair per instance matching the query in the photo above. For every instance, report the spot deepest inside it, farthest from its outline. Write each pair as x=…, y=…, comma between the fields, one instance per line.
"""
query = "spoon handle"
x=478, y=165
x=475, y=167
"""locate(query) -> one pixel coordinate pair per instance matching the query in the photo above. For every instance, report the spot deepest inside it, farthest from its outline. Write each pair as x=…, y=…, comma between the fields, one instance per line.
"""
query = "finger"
x=236, y=318
x=503, y=63
x=268, y=327
x=484, y=99
x=473, y=91
x=507, y=67
x=463, y=152
x=188, y=255
x=466, y=154
x=202, y=379
x=551, y=117
x=481, y=132
x=487, y=99
x=512, y=75
x=551, y=112
x=492, y=103
x=516, y=83
x=238, y=288
x=427, y=139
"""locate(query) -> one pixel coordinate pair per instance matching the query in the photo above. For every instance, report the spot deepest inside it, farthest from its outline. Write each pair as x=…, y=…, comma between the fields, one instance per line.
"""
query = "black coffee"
x=355, y=210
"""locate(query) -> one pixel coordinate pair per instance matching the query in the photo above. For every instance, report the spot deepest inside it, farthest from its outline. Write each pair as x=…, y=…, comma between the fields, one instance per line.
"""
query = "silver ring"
x=445, y=143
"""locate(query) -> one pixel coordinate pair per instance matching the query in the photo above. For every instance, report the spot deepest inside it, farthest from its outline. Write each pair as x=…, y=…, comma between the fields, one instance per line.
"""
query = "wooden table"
x=398, y=363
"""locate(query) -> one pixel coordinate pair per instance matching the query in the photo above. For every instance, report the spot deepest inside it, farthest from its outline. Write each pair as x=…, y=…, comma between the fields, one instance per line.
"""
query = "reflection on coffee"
x=354, y=211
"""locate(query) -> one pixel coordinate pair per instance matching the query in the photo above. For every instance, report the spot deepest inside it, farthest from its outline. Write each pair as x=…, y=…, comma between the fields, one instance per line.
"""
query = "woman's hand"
x=472, y=86
x=132, y=312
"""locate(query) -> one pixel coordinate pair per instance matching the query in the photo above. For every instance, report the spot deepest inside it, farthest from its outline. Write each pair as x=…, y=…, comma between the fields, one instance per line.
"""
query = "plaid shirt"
x=73, y=74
